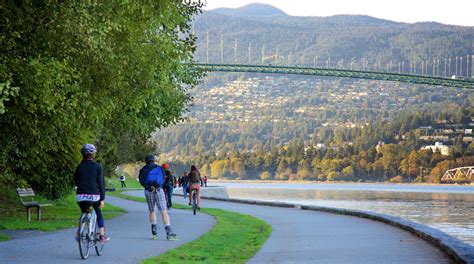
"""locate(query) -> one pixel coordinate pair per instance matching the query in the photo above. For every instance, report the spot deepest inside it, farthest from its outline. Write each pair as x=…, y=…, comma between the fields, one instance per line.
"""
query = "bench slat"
x=25, y=192
x=33, y=203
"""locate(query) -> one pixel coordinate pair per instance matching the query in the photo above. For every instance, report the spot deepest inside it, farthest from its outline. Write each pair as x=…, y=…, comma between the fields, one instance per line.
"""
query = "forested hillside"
x=378, y=151
x=326, y=40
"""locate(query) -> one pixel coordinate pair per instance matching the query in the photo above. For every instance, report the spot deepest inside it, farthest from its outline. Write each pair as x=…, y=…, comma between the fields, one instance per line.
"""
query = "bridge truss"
x=461, y=174
x=370, y=75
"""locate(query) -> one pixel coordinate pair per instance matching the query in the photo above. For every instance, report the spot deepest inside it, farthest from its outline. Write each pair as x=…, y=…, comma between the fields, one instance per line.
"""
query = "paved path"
x=298, y=236
x=301, y=236
x=130, y=238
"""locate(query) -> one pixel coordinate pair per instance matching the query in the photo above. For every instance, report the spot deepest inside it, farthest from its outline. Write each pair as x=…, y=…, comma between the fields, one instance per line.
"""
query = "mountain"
x=251, y=10
x=325, y=40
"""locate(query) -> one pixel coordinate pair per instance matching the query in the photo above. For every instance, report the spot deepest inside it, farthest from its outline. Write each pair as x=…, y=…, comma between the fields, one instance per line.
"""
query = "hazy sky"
x=454, y=12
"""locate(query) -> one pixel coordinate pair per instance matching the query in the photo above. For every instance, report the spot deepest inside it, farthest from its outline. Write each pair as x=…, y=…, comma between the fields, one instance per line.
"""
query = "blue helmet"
x=88, y=149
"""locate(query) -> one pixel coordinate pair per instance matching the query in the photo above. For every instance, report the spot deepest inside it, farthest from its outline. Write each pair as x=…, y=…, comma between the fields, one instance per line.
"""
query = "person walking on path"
x=205, y=181
x=151, y=177
x=184, y=184
x=194, y=180
x=90, y=183
x=180, y=180
x=169, y=185
x=122, y=181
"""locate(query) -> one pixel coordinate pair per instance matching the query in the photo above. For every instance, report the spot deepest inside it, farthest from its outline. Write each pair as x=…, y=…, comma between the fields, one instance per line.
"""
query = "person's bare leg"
x=166, y=218
x=170, y=235
x=153, y=217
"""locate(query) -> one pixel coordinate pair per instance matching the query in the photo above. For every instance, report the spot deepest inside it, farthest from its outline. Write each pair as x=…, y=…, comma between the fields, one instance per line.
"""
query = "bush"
x=265, y=175
x=396, y=179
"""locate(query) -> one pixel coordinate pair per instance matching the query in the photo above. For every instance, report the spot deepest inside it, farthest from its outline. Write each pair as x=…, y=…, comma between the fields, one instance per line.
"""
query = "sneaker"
x=154, y=230
x=103, y=239
x=199, y=208
x=189, y=204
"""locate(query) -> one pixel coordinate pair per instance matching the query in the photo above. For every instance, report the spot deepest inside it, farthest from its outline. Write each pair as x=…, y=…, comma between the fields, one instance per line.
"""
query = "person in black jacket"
x=155, y=197
x=90, y=183
x=169, y=184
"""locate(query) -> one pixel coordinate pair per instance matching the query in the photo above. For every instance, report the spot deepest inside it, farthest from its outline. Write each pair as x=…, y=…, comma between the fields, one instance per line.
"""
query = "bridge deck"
x=370, y=75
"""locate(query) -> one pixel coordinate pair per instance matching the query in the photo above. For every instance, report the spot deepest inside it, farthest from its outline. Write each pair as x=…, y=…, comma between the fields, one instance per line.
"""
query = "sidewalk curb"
x=456, y=249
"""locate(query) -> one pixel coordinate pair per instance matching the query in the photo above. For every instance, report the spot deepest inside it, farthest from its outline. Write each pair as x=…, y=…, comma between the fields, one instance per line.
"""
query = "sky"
x=453, y=12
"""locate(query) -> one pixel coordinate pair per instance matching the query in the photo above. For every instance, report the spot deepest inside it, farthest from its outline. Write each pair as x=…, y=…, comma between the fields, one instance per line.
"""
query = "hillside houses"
x=289, y=98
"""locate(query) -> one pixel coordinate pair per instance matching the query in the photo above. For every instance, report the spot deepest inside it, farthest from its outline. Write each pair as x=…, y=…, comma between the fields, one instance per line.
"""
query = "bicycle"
x=89, y=234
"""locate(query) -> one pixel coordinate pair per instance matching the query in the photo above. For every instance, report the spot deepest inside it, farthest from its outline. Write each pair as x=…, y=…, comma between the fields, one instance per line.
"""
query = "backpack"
x=194, y=177
x=156, y=176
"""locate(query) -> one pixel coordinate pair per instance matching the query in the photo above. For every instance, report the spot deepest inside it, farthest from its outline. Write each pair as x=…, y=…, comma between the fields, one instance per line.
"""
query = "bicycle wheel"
x=99, y=247
x=84, y=238
x=194, y=202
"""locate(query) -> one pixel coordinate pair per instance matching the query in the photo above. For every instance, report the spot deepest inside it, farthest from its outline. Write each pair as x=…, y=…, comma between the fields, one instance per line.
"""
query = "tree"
x=265, y=175
x=95, y=72
x=413, y=164
x=348, y=172
x=391, y=158
x=205, y=169
x=218, y=168
x=238, y=168
x=438, y=171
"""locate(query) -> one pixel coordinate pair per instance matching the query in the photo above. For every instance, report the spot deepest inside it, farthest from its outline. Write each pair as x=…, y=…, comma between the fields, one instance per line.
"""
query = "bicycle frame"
x=89, y=238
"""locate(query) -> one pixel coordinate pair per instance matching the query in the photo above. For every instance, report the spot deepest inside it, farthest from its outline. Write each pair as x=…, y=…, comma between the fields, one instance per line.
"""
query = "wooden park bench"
x=27, y=197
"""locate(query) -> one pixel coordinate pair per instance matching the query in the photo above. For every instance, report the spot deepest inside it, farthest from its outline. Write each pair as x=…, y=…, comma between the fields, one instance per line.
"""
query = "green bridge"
x=370, y=75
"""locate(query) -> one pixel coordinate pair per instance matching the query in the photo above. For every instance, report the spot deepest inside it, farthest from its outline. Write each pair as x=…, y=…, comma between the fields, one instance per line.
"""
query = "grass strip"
x=4, y=237
x=234, y=239
x=63, y=213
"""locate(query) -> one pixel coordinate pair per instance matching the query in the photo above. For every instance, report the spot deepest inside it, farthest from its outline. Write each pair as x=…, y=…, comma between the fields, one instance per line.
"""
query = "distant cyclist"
x=90, y=183
x=194, y=181
x=151, y=177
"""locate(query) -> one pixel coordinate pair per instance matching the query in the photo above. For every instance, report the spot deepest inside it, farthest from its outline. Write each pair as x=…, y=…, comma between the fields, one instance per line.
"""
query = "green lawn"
x=4, y=237
x=129, y=182
x=63, y=214
x=234, y=239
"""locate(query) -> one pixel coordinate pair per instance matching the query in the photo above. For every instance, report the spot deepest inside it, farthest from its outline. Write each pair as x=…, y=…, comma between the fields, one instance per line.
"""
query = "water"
x=445, y=207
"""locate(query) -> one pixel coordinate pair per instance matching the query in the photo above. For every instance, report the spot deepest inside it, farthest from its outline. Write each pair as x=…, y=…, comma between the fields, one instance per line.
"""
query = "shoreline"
x=335, y=183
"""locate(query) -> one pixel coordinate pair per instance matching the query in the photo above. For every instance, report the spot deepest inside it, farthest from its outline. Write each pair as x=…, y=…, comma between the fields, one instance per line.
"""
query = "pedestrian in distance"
x=184, y=185
x=152, y=178
x=122, y=181
x=180, y=180
x=195, y=182
x=169, y=184
x=90, y=183
x=205, y=181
